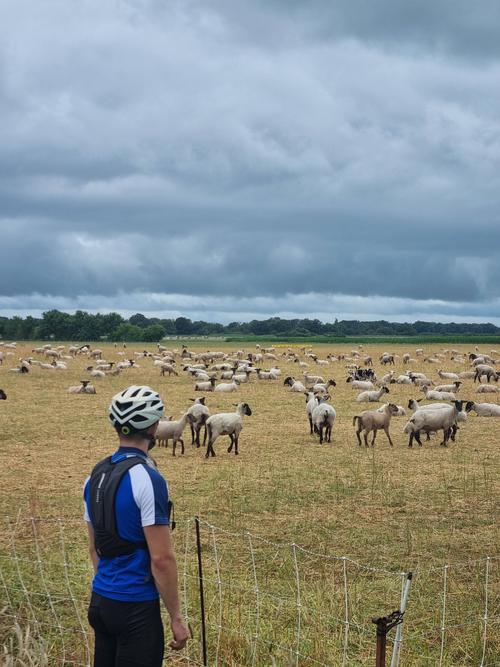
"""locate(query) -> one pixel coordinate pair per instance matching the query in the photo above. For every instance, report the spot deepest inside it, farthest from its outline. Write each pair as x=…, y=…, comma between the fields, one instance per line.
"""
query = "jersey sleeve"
x=86, y=500
x=150, y=493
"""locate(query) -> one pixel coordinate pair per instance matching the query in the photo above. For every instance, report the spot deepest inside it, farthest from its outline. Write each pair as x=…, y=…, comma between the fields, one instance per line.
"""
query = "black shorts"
x=127, y=634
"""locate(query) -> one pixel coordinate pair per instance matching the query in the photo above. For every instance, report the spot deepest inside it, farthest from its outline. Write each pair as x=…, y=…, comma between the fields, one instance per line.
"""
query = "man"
x=127, y=510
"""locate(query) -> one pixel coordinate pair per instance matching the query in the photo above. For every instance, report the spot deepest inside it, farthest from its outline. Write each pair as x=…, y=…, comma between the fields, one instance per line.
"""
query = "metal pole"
x=399, y=629
x=202, y=594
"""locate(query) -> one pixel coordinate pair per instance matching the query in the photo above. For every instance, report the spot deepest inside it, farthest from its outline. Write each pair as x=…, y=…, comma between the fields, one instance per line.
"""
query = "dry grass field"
x=387, y=511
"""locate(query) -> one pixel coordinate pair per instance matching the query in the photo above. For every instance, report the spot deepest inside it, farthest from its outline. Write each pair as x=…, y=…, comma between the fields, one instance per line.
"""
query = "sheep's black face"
x=246, y=409
x=3, y=395
x=469, y=405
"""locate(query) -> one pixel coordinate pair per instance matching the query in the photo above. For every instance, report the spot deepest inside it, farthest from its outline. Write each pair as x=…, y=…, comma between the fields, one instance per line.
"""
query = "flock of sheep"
x=218, y=371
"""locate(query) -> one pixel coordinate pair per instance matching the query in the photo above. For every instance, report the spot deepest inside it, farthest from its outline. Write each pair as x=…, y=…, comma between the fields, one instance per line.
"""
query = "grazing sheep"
x=372, y=396
x=3, y=395
x=205, y=386
x=294, y=385
x=386, y=358
x=374, y=420
x=488, y=389
x=172, y=430
x=167, y=368
x=483, y=409
x=83, y=388
x=226, y=423
x=483, y=370
x=323, y=417
x=227, y=387
x=199, y=414
x=430, y=421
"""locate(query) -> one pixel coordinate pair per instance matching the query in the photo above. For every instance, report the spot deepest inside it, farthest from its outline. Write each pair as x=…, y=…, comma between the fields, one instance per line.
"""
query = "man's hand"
x=181, y=635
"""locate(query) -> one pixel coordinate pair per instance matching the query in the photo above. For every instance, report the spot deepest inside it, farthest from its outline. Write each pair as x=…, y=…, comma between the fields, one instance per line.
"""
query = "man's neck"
x=136, y=444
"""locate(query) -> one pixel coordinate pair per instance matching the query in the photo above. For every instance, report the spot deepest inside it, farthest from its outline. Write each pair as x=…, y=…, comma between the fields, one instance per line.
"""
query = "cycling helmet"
x=135, y=409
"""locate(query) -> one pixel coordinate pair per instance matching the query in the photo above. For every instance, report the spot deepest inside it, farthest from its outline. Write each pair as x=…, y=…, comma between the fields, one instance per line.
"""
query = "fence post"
x=202, y=594
x=399, y=630
x=384, y=624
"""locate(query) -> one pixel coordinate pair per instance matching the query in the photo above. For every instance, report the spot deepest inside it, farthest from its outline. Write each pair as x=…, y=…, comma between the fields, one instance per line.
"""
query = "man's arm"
x=93, y=553
x=164, y=570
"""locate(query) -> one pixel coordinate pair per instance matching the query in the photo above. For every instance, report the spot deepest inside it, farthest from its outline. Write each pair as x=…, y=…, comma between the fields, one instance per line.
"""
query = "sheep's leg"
x=410, y=442
x=358, y=437
x=374, y=436
x=365, y=436
x=417, y=438
x=311, y=424
x=204, y=437
x=236, y=445
x=232, y=443
x=388, y=436
x=174, y=444
x=320, y=431
x=182, y=445
x=191, y=428
x=329, y=433
x=454, y=430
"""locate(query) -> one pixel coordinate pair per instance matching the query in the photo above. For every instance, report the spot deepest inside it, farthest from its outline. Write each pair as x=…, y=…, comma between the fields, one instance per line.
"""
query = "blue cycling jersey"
x=141, y=500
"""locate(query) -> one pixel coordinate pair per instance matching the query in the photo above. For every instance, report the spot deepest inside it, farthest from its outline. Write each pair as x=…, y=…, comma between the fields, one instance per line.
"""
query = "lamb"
x=312, y=379
x=3, y=395
x=266, y=375
x=432, y=395
x=483, y=409
x=227, y=387
x=374, y=420
x=444, y=375
x=172, y=430
x=485, y=370
x=324, y=386
x=455, y=387
x=323, y=417
x=168, y=368
x=294, y=385
x=360, y=384
x=205, y=386
x=371, y=396
x=488, y=389
x=226, y=423
x=433, y=420
x=199, y=414
x=83, y=388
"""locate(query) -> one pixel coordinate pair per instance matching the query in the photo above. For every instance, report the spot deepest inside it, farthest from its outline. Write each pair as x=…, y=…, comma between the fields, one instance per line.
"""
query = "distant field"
x=427, y=339
x=269, y=602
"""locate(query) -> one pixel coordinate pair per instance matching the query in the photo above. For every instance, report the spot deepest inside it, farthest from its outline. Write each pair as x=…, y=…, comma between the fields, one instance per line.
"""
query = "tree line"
x=83, y=326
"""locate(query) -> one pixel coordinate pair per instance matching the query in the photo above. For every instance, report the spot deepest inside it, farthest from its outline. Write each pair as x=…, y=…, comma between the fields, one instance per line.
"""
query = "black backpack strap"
x=104, y=482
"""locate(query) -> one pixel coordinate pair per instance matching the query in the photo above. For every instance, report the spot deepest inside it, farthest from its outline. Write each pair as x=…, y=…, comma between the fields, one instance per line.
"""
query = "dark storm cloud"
x=245, y=151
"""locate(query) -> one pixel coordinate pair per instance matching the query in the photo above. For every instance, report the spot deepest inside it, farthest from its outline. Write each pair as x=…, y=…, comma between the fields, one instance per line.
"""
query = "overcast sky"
x=234, y=159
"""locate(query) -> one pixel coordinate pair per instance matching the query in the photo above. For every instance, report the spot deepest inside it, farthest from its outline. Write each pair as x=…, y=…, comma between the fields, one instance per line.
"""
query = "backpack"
x=104, y=482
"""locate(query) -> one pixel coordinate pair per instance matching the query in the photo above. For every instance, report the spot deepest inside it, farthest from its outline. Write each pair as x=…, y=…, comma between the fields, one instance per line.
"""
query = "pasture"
x=303, y=543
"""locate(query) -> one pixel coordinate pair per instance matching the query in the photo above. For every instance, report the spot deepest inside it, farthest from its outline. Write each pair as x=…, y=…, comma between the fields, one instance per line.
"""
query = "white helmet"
x=135, y=409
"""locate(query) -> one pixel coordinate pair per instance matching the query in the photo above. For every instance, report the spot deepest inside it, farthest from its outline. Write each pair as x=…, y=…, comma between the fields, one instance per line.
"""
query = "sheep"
x=455, y=387
x=323, y=417
x=485, y=370
x=371, y=396
x=360, y=384
x=96, y=373
x=400, y=413
x=205, y=386
x=432, y=395
x=20, y=369
x=172, y=430
x=374, y=420
x=83, y=388
x=266, y=375
x=385, y=379
x=3, y=395
x=226, y=423
x=483, y=409
x=488, y=389
x=294, y=385
x=243, y=377
x=466, y=375
x=444, y=375
x=324, y=386
x=404, y=379
x=311, y=402
x=312, y=379
x=386, y=358
x=406, y=358
x=168, y=368
x=199, y=413
x=433, y=420
x=227, y=387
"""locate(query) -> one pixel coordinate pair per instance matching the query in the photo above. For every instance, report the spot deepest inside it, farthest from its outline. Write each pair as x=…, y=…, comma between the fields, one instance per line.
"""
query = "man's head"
x=135, y=412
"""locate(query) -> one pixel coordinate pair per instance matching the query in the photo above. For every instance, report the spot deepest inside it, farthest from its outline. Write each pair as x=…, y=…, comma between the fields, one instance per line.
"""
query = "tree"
x=153, y=333
x=128, y=332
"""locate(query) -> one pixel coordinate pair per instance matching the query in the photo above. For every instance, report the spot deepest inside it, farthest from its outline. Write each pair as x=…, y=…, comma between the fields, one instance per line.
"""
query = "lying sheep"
x=371, y=396
x=323, y=386
x=323, y=417
x=83, y=388
x=448, y=376
x=360, y=384
x=483, y=409
x=430, y=421
x=20, y=369
x=488, y=389
x=400, y=413
x=266, y=375
x=205, y=386
x=199, y=413
x=374, y=420
x=227, y=387
x=294, y=385
x=226, y=423
x=172, y=430
x=404, y=379
x=455, y=387
x=432, y=395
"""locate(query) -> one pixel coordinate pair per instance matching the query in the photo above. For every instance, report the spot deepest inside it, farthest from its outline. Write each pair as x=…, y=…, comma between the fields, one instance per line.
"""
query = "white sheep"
x=360, y=384
x=323, y=418
x=430, y=421
x=488, y=389
x=454, y=388
x=371, y=396
x=294, y=385
x=445, y=375
x=227, y=387
x=432, y=395
x=226, y=423
x=483, y=409
x=83, y=388
x=205, y=386
x=401, y=412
